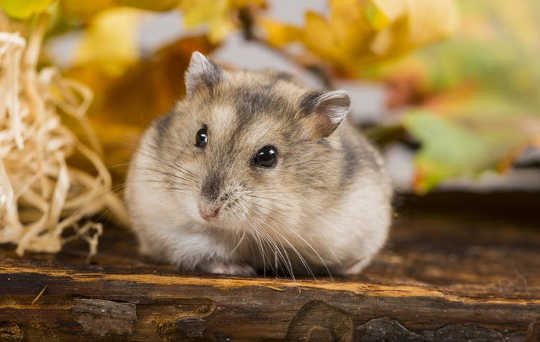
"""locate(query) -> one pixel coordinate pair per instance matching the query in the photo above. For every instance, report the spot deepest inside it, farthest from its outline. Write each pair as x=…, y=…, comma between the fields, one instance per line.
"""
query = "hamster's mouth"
x=220, y=214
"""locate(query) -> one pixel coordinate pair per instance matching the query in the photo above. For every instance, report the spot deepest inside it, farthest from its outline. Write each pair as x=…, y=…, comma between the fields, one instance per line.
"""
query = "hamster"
x=251, y=172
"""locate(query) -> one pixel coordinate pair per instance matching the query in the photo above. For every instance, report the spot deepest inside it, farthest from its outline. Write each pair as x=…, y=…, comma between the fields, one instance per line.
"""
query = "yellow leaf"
x=22, y=9
x=197, y=12
x=359, y=33
x=110, y=43
x=382, y=13
x=242, y=3
x=279, y=34
x=152, y=5
x=348, y=21
x=217, y=14
x=430, y=20
x=220, y=27
x=318, y=37
x=84, y=10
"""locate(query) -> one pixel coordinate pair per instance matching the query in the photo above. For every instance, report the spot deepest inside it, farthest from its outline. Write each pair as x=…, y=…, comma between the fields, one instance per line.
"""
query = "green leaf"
x=22, y=9
x=477, y=95
x=465, y=144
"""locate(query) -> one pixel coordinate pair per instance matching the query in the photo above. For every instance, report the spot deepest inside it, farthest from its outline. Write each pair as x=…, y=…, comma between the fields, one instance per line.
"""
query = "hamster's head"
x=245, y=150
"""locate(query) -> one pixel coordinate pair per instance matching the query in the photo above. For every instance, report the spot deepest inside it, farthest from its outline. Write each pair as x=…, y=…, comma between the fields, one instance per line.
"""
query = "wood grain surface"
x=456, y=268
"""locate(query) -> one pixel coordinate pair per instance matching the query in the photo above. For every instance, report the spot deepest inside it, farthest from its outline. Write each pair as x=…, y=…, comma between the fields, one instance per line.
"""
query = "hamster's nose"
x=208, y=211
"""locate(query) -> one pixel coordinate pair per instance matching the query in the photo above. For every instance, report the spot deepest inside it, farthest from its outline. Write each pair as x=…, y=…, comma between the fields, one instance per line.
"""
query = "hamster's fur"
x=324, y=207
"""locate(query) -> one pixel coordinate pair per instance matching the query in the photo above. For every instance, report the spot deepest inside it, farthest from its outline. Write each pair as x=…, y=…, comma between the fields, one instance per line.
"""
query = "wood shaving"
x=41, y=194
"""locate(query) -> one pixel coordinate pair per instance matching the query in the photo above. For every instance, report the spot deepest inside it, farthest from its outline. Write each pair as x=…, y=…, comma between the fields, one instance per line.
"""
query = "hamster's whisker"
x=317, y=254
x=275, y=228
x=271, y=192
x=260, y=197
x=314, y=251
x=173, y=165
x=286, y=259
x=260, y=247
x=178, y=189
x=276, y=243
x=163, y=173
x=254, y=232
x=261, y=240
x=274, y=247
x=239, y=242
x=184, y=173
x=300, y=257
x=167, y=184
x=179, y=167
x=281, y=253
x=170, y=175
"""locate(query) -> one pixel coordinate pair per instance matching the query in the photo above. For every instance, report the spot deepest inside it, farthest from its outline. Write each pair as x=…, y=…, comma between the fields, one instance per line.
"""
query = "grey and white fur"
x=323, y=207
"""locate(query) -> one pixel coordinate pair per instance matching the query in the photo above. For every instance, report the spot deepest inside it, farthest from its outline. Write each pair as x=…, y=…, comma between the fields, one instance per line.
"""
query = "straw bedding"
x=44, y=200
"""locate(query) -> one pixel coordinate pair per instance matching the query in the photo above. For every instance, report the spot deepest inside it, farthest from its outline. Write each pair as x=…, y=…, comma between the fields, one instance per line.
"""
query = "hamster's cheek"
x=189, y=206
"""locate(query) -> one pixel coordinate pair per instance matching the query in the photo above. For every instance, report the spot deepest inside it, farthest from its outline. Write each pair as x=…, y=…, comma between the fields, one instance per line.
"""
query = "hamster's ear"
x=201, y=72
x=324, y=111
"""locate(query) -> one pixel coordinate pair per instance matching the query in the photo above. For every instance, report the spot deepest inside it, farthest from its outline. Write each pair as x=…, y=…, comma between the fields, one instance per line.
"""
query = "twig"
x=39, y=295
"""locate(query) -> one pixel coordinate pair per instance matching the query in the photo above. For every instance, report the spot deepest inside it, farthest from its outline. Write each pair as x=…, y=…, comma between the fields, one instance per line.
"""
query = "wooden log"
x=440, y=278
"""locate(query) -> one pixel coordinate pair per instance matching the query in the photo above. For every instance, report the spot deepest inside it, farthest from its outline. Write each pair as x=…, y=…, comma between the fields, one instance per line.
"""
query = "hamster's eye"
x=201, y=139
x=266, y=157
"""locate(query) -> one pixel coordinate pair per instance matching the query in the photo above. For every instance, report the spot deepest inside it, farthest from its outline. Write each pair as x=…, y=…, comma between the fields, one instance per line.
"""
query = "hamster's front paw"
x=355, y=267
x=229, y=268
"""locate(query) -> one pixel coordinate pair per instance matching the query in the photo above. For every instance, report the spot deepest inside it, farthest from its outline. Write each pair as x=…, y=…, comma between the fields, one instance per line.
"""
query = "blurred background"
x=449, y=89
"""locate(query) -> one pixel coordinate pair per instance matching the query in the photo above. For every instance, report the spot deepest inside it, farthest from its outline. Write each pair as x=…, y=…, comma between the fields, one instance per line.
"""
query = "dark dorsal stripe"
x=257, y=100
x=350, y=164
